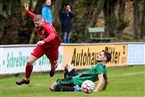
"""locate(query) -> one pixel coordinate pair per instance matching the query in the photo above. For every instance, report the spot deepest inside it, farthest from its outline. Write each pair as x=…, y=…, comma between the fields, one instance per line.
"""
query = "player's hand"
x=26, y=6
x=69, y=9
x=95, y=90
x=40, y=42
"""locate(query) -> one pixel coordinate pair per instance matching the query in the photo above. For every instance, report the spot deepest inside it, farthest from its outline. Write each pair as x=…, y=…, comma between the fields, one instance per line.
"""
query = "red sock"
x=28, y=71
x=53, y=64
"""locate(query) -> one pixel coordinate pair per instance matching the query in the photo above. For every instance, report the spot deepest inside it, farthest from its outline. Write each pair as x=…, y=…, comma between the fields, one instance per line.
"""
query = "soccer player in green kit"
x=97, y=72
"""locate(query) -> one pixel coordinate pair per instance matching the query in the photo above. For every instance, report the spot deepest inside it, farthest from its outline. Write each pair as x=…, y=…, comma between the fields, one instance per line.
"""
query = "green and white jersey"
x=90, y=74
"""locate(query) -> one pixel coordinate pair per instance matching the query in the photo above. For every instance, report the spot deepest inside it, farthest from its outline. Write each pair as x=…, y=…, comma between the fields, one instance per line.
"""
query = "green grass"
x=128, y=81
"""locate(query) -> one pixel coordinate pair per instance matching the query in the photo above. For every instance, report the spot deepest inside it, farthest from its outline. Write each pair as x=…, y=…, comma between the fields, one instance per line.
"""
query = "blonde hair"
x=38, y=18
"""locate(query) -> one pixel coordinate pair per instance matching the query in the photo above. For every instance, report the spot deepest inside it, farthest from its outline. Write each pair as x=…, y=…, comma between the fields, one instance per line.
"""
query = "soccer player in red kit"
x=48, y=45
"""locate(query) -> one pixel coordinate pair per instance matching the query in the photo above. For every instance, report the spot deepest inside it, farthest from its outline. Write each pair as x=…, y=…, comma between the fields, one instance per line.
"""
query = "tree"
x=121, y=23
x=96, y=12
x=138, y=19
x=16, y=26
x=142, y=19
x=135, y=18
x=11, y=20
x=3, y=18
x=110, y=17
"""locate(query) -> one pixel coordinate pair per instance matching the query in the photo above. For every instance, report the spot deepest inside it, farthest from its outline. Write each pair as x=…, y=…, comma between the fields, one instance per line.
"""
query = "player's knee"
x=73, y=72
x=69, y=67
x=52, y=86
x=29, y=62
x=55, y=88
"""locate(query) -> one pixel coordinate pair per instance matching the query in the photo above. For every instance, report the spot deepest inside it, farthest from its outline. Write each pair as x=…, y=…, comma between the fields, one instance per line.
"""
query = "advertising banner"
x=13, y=60
x=0, y=60
x=136, y=54
x=82, y=57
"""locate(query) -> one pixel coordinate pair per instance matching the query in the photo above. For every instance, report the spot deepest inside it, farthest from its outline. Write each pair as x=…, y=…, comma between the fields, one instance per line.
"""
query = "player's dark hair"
x=107, y=54
x=67, y=4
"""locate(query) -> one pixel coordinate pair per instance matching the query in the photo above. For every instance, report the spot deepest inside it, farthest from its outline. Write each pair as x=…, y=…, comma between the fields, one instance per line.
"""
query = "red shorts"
x=49, y=49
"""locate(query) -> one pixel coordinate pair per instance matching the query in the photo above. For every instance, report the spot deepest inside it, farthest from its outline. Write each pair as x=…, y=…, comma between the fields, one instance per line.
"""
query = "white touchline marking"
x=38, y=84
x=126, y=74
x=133, y=73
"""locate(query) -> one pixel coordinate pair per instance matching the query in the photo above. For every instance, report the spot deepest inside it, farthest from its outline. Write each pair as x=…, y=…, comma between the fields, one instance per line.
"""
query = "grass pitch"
x=127, y=81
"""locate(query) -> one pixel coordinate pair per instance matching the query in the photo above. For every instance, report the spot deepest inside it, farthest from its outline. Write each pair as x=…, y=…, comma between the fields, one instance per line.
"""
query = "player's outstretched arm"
x=100, y=82
x=26, y=6
x=105, y=83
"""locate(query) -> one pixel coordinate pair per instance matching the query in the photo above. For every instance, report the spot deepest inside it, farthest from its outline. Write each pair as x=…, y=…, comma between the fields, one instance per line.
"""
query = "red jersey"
x=47, y=33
